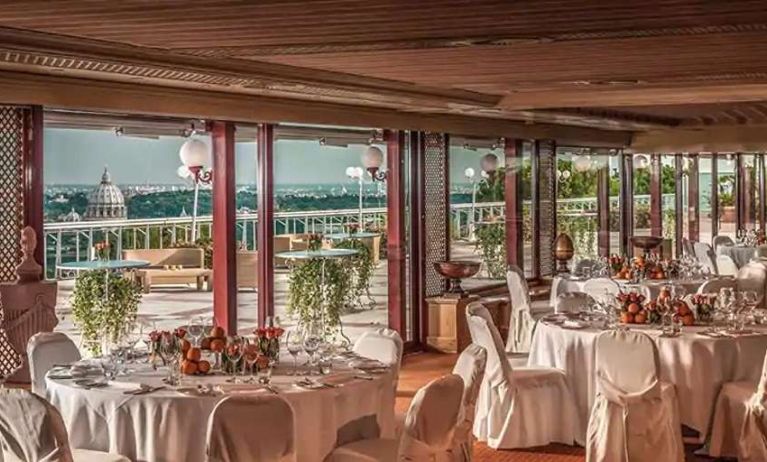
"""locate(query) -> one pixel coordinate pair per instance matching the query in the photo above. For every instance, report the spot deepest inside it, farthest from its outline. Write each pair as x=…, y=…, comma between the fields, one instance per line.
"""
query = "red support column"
x=693, y=199
x=33, y=175
x=603, y=210
x=224, y=216
x=656, y=197
x=265, y=233
x=513, y=155
x=396, y=245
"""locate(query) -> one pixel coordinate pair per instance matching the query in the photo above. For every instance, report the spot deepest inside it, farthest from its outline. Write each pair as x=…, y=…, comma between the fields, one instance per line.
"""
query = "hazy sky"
x=79, y=157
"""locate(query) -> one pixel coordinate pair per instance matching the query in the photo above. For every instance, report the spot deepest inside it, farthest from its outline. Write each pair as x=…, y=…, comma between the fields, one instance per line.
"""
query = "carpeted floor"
x=419, y=369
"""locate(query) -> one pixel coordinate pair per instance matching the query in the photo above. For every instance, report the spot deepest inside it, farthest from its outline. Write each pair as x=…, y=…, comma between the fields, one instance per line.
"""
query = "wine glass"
x=233, y=354
x=195, y=329
x=251, y=356
x=750, y=300
x=311, y=340
x=264, y=364
x=294, y=343
x=169, y=350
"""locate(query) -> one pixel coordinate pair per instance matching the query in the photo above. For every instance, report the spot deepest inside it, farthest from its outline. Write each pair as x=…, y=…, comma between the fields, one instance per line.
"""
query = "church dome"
x=106, y=202
x=71, y=216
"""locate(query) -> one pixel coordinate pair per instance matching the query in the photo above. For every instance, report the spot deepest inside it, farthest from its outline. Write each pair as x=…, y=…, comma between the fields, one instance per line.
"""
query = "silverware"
x=272, y=389
x=144, y=390
x=363, y=377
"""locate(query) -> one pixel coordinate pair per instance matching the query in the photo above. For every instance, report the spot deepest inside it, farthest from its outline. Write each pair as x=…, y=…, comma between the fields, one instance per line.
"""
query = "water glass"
x=264, y=365
x=195, y=330
x=294, y=344
x=234, y=354
x=109, y=368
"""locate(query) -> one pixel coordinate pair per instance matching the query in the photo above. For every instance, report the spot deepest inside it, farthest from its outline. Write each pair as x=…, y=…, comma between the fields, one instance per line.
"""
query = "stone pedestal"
x=448, y=331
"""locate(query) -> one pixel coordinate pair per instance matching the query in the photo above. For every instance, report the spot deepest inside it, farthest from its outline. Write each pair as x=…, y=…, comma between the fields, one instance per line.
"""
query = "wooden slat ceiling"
x=612, y=65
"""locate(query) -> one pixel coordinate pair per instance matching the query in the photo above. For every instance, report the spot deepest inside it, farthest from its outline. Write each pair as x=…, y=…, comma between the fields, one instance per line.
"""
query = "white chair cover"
x=518, y=408
x=633, y=417
x=712, y=286
x=46, y=349
x=752, y=444
x=471, y=368
x=31, y=429
x=251, y=427
x=720, y=241
x=432, y=419
x=383, y=345
x=600, y=287
x=753, y=276
x=687, y=247
x=521, y=323
x=565, y=286
x=584, y=263
x=573, y=302
x=726, y=265
x=705, y=254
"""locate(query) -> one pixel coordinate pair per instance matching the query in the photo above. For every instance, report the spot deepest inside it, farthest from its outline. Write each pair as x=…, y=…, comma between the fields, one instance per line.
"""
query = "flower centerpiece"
x=654, y=312
x=352, y=228
x=703, y=307
x=314, y=243
x=268, y=341
x=632, y=311
x=617, y=263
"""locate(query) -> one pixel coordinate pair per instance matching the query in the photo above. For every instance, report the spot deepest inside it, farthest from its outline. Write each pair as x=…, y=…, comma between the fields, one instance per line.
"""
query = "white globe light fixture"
x=469, y=173
x=641, y=162
x=489, y=163
x=582, y=163
x=372, y=160
x=194, y=153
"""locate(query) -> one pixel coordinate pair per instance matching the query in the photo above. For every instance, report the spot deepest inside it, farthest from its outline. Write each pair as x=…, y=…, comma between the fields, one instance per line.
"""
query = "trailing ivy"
x=98, y=318
x=491, y=242
x=305, y=298
x=361, y=266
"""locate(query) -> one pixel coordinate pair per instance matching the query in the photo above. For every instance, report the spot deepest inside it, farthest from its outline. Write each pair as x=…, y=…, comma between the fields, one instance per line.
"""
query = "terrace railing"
x=74, y=241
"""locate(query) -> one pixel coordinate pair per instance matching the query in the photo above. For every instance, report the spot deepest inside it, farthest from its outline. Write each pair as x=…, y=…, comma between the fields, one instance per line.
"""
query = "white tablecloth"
x=741, y=255
x=695, y=364
x=653, y=284
x=167, y=426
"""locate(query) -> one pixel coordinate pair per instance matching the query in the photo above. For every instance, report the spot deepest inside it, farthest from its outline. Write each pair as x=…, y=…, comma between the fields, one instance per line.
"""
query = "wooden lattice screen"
x=436, y=210
x=548, y=204
x=11, y=189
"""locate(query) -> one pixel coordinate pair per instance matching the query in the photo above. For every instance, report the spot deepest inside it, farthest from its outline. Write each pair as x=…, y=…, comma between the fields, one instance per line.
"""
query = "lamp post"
x=372, y=159
x=470, y=174
x=356, y=173
x=195, y=156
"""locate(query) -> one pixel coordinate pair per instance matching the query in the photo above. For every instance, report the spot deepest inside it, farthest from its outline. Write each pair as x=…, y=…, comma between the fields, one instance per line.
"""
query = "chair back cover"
x=753, y=276
x=572, y=302
x=721, y=241
x=629, y=420
x=726, y=266
x=599, y=287
x=752, y=444
x=521, y=322
x=46, y=349
x=565, y=286
x=705, y=254
x=584, y=263
x=383, y=345
x=485, y=334
x=251, y=427
x=687, y=247
x=470, y=366
x=760, y=253
x=712, y=286
x=431, y=420
x=31, y=429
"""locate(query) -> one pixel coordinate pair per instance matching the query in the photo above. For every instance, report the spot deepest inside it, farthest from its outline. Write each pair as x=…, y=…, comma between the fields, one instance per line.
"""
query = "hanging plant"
x=361, y=268
x=305, y=298
x=491, y=242
x=98, y=318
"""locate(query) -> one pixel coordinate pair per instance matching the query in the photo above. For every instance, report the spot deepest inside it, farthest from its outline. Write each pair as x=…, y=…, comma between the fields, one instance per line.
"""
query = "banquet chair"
x=432, y=419
x=740, y=420
x=706, y=256
x=521, y=319
x=635, y=416
x=251, y=427
x=726, y=266
x=713, y=286
x=584, y=263
x=384, y=345
x=753, y=276
x=572, y=302
x=470, y=366
x=722, y=241
x=599, y=287
x=687, y=247
x=518, y=407
x=44, y=350
x=32, y=430
x=564, y=286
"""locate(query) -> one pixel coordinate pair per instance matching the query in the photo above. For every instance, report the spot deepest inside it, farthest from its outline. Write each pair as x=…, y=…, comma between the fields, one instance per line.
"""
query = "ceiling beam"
x=59, y=92
x=734, y=138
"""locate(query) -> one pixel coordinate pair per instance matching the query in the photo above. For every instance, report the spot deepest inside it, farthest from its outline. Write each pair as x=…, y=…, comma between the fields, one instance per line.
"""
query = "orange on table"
x=185, y=345
x=217, y=345
x=194, y=354
x=188, y=367
x=641, y=317
x=217, y=332
x=203, y=367
x=205, y=343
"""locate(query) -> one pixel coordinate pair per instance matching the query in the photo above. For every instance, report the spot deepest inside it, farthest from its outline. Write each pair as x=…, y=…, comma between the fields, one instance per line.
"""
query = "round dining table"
x=170, y=423
x=695, y=362
x=690, y=286
x=740, y=254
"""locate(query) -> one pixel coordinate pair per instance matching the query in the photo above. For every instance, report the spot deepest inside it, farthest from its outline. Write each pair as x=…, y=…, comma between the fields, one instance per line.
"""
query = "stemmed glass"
x=233, y=354
x=169, y=350
x=251, y=356
x=195, y=329
x=294, y=343
x=311, y=340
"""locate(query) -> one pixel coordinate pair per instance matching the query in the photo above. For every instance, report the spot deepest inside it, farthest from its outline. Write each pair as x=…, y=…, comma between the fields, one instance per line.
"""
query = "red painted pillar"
x=396, y=247
x=513, y=200
x=33, y=175
x=265, y=234
x=693, y=201
x=224, y=217
x=656, y=198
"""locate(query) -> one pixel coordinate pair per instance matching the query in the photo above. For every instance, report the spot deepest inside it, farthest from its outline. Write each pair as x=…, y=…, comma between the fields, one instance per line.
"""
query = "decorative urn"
x=454, y=271
x=563, y=252
x=646, y=243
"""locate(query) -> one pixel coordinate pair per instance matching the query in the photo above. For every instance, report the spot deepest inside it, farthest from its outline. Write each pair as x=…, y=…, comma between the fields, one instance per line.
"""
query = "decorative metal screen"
x=11, y=189
x=435, y=210
x=548, y=204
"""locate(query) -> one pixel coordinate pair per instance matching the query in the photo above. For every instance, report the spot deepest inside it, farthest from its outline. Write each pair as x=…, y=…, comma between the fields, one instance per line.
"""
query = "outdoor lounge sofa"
x=171, y=266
